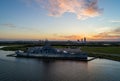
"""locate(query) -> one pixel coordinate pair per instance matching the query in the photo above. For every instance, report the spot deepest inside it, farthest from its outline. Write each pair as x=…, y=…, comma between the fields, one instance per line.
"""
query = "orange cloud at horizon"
x=113, y=34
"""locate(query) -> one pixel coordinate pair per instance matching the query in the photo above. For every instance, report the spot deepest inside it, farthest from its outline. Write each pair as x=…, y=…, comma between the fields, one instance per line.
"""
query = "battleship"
x=48, y=52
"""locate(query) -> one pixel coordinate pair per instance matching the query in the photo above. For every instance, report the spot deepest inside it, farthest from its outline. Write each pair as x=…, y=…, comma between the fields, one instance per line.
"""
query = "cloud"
x=82, y=8
x=73, y=37
x=112, y=34
x=8, y=25
x=115, y=21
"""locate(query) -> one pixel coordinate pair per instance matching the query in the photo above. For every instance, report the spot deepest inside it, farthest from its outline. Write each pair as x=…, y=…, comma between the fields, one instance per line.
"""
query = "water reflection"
x=22, y=69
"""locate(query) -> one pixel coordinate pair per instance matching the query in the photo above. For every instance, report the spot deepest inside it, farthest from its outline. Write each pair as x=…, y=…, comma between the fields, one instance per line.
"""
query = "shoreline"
x=90, y=54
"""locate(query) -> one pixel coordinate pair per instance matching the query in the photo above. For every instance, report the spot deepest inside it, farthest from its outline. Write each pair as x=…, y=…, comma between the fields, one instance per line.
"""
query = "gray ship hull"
x=54, y=56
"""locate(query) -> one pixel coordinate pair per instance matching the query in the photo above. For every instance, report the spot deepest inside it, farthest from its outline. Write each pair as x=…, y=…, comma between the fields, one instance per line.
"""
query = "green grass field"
x=14, y=48
x=110, y=50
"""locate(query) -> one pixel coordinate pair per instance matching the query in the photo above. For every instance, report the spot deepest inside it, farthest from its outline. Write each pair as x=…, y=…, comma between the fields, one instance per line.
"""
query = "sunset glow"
x=60, y=20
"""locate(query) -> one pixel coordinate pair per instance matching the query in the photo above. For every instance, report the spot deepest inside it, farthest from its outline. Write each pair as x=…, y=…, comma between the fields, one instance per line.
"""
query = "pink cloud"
x=82, y=8
x=112, y=34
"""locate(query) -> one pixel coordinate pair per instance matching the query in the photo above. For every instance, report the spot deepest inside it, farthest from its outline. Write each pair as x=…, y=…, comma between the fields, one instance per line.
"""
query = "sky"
x=97, y=20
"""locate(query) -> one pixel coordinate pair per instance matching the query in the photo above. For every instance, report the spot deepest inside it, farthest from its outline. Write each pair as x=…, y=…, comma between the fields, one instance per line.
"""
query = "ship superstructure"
x=48, y=51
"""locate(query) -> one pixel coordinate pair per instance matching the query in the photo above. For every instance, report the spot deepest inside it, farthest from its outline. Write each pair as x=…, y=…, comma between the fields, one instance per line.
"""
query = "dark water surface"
x=23, y=69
